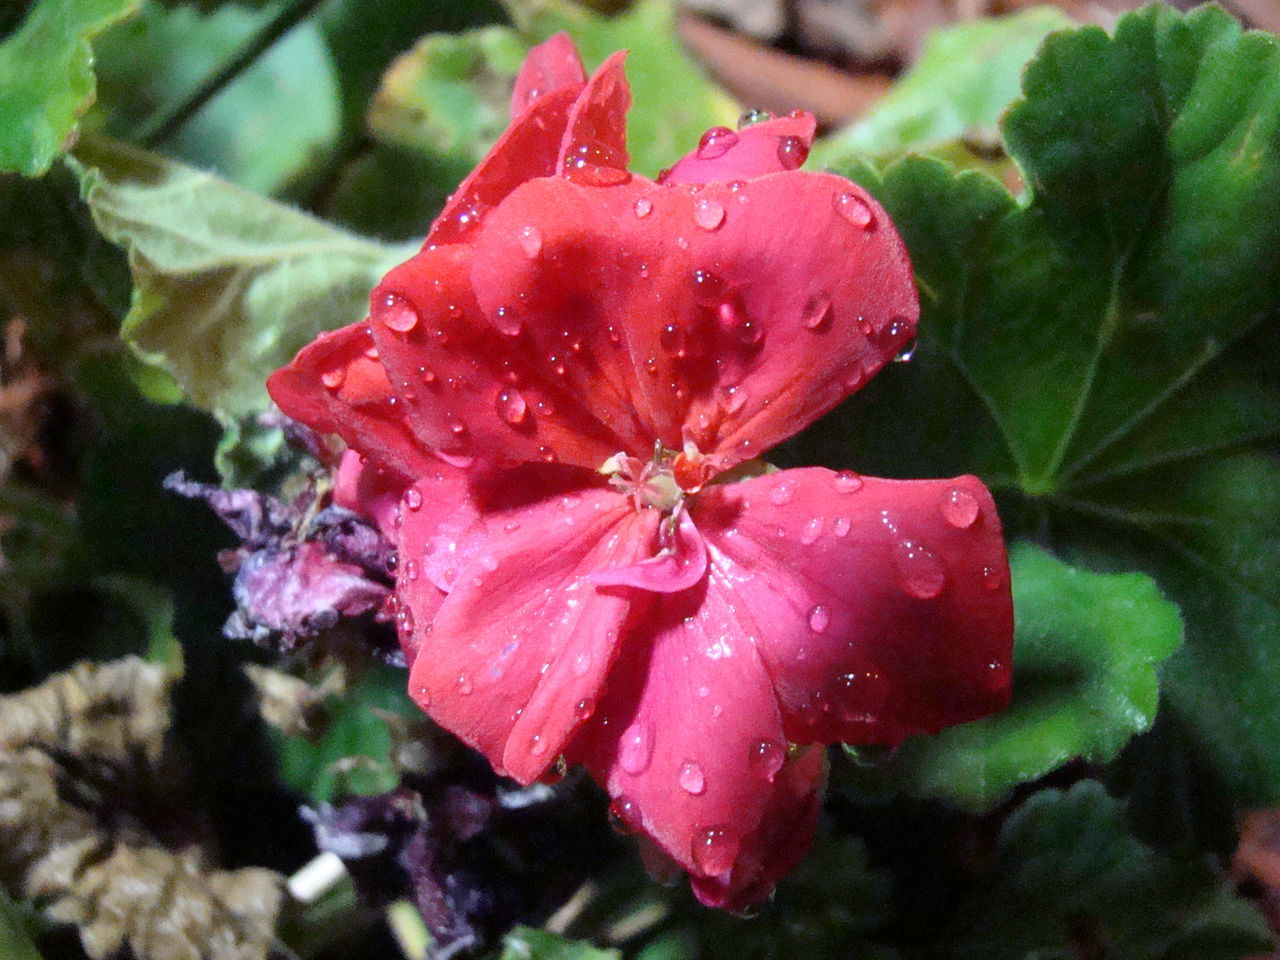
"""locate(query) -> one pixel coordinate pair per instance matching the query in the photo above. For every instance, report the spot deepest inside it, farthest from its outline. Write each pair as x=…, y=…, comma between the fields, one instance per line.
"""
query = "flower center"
x=651, y=484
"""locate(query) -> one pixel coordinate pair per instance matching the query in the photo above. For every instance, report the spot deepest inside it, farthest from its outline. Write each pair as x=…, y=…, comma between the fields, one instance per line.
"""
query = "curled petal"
x=732, y=317
x=881, y=608
x=336, y=384
x=368, y=490
x=770, y=147
x=594, y=148
x=679, y=564
x=552, y=65
x=690, y=743
x=514, y=657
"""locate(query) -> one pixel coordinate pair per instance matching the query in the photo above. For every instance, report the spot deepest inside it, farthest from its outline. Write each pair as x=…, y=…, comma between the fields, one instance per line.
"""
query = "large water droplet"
x=643, y=207
x=782, y=492
x=812, y=531
x=507, y=322
x=716, y=142
x=398, y=314
x=766, y=758
x=854, y=209
x=333, y=378
x=413, y=498
x=816, y=314
x=846, y=481
x=585, y=709
x=714, y=849
x=920, y=571
x=752, y=117
x=530, y=240
x=636, y=749
x=792, y=152
x=691, y=778
x=959, y=508
x=511, y=406
x=819, y=619
x=708, y=214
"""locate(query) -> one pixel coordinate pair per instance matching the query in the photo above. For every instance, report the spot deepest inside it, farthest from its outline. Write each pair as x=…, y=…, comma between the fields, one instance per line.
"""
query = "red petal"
x=553, y=64
x=335, y=386
x=468, y=391
x=680, y=564
x=769, y=147
x=594, y=148
x=881, y=607
x=515, y=657
x=529, y=148
x=741, y=314
x=369, y=491
x=689, y=741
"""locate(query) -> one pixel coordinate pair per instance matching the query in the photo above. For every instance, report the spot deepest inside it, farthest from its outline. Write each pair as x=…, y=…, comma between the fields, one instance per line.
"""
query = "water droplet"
x=334, y=378
x=457, y=427
x=404, y=620
x=715, y=849
x=846, y=481
x=708, y=214
x=537, y=746
x=992, y=578
x=812, y=531
x=643, y=207
x=691, y=778
x=530, y=240
x=920, y=571
x=906, y=353
x=411, y=570
x=734, y=398
x=505, y=319
x=464, y=685
x=716, y=142
x=841, y=526
x=671, y=341
x=706, y=287
x=585, y=708
x=752, y=117
x=636, y=749
x=398, y=314
x=816, y=314
x=511, y=406
x=766, y=758
x=428, y=376
x=819, y=619
x=959, y=508
x=413, y=498
x=782, y=492
x=624, y=814
x=854, y=209
x=546, y=454
x=792, y=152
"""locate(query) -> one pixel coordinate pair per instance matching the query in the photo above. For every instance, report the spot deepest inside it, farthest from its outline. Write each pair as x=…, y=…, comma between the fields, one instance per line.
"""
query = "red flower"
x=558, y=404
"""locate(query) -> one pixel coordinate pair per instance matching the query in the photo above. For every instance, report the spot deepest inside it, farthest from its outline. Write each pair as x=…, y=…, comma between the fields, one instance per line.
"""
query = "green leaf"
x=1104, y=351
x=965, y=78
x=525, y=943
x=1086, y=648
x=448, y=96
x=228, y=285
x=263, y=130
x=1069, y=880
x=46, y=79
x=15, y=940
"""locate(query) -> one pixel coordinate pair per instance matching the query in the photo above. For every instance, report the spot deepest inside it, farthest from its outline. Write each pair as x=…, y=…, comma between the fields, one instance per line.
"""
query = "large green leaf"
x=263, y=130
x=228, y=285
x=1070, y=880
x=46, y=79
x=524, y=943
x=1086, y=649
x=965, y=78
x=1104, y=351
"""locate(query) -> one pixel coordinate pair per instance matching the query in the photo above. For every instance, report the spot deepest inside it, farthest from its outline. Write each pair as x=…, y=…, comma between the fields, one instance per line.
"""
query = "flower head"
x=559, y=405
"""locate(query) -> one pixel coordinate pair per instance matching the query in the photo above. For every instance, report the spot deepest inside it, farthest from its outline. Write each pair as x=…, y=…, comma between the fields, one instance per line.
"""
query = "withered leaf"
x=94, y=823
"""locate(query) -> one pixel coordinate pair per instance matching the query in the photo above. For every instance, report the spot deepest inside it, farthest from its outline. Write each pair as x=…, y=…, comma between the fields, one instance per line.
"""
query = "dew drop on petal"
x=670, y=340
x=752, y=117
x=511, y=406
x=636, y=749
x=812, y=531
x=846, y=481
x=585, y=709
x=714, y=849
x=413, y=498
x=530, y=240
x=581, y=664
x=546, y=454
x=992, y=578
x=792, y=152
x=643, y=207
x=734, y=398
x=537, y=746
x=464, y=684
x=766, y=758
x=959, y=508
x=782, y=492
x=457, y=427
x=716, y=142
x=854, y=209
x=691, y=778
x=706, y=286
x=624, y=814
x=841, y=526
x=411, y=570
x=398, y=314
x=819, y=619
x=334, y=378
x=708, y=214
x=816, y=314
x=505, y=319
x=920, y=572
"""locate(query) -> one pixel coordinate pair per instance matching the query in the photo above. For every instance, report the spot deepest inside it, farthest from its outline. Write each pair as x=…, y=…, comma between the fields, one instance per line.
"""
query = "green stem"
x=165, y=125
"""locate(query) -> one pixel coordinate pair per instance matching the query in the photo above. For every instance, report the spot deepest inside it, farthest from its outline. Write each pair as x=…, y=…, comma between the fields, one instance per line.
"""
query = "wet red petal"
x=552, y=65
x=680, y=564
x=740, y=315
x=881, y=607
x=769, y=147
x=514, y=658
x=594, y=148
